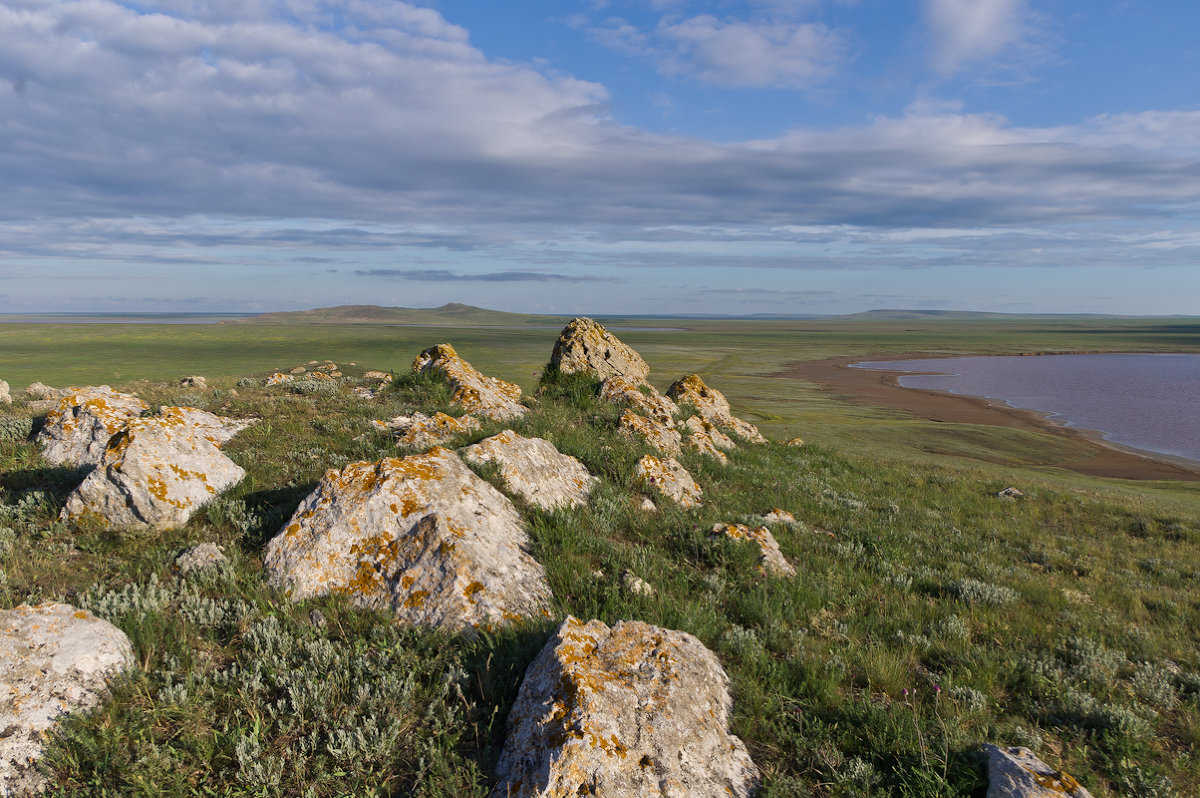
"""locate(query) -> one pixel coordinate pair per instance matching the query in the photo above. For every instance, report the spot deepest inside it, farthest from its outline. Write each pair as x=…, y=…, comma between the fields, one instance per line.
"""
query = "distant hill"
x=935, y=315
x=453, y=314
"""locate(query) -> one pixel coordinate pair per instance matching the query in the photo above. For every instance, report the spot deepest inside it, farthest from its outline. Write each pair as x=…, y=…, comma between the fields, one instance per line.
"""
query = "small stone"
x=635, y=584
x=1018, y=773
x=778, y=516
x=201, y=557
x=795, y=442
x=771, y=559
x=473, y=392
x=705, y=438
x=534, y=470
x=648, y=505
x=585, y=346
x=79, y=428
x=195, y=381
x=298, y=370
x=377, y=375
x=670, y=479
x=1010, y=493
x=279, y=379
x=40, y=390
x=420, y=431
x=317, y=618
x=5, y=396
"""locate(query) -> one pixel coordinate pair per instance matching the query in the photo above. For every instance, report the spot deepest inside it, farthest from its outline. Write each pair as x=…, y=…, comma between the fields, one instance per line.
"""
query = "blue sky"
x=601, y=156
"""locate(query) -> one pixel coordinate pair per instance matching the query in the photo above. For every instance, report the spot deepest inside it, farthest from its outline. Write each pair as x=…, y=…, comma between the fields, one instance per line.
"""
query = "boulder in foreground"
x=623, y=712
x=1018, y=773
x=473, y=392
x=54, y=660
x=79, y=428
x=422, y=536
x=586, y=347
x=712, y=405
x=534, y=470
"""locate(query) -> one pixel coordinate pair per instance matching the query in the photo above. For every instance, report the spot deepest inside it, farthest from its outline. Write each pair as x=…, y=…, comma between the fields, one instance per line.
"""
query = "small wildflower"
x=904, y=692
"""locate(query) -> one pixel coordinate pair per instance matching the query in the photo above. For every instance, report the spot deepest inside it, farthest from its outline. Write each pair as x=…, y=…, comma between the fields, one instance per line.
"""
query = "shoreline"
x=882, y=389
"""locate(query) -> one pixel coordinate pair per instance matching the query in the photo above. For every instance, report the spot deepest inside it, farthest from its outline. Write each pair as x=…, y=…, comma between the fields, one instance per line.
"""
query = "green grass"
x=1063, y=620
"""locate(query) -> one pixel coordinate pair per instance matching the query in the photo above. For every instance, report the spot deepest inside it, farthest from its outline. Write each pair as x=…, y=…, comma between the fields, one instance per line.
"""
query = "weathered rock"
x=217, y=430
x=1018, y=773
x=79, y=428
x=298, y=370
x=328, y=365
x=54, y=660
x=1010, y=493
x=473, y=392
x=712, y=405
x=771, y=559
x=279, y=379
x=794, y=442
x=40, y=390
x=585, y=346
x=635, y=584
x=670, y=479
x=5, y=396
x=647, y=504
x=195, y=381
x=155, y=472
x=777, y=516
x=420, y=535
x=662, y=437
x=642, y=397
x=377, y=375
x=534, y=470
x=420, y=431
x=200, y=557
x=627, y=712
x=367, y=394
x=705, y=438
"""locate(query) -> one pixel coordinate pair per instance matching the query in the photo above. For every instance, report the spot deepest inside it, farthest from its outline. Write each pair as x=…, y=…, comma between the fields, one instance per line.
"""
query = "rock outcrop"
x=705, y=438
x=194, y=381
x=664, y=438
x=585, y=346
x=771, y=559
x=473, y=392
x=420, y=431
x=40, y=390
x=712, y=405
x=631, y=711
x=217, y=430
x=642, y=397
x=422, y=536
x=1018, y=773
x=54, y=660
x=534, y=470
x=670, y=479
x=78, y=430
x=157, y=471
x=279, y=378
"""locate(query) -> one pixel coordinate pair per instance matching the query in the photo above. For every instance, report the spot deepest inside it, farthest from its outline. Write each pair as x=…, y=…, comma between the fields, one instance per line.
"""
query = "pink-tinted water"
x=1149, y=402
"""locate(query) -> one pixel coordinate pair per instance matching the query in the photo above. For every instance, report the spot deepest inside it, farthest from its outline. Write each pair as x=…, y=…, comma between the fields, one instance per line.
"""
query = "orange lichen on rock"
x=534, y=470
x=664, y=438
x=1018, y=773
x=473, y=392
x=712, y=405
x=640, y=396
x=668, y=478
x=771, y=559
x=586, y=347
x=78, y=430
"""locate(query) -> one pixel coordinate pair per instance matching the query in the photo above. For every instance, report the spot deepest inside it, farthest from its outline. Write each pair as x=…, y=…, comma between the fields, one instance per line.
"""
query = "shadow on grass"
x=56, y=481
x=272, y=508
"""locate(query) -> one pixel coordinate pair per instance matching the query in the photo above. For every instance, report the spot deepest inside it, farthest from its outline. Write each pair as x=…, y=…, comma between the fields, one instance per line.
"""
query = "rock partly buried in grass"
x=670, y=479
x=664, y=438
x=420, y=431
x=705, y=438
x=279, y=378
x=631, y=711
x=40, y=390
x=534, y=470
x=194, y=381
x=217, y=430
x=156, y=472
x=5, y=396
x=1017, y=773
x=422, y=536
x=79, y=428
x=201, y=557
x=777, y=515
x=1010, y=493
x=712, y=405
x=642, y=397
x=473, y=392
x=795, y=442
x=771, y=559
x=586, y=347
x=54, y=660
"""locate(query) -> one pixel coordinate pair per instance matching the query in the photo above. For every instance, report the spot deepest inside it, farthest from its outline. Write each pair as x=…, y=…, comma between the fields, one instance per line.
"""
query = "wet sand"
x=882, y=389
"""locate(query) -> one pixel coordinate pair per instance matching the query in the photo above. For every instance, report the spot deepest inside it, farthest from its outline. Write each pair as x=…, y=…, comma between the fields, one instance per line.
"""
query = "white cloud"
x=967, y=31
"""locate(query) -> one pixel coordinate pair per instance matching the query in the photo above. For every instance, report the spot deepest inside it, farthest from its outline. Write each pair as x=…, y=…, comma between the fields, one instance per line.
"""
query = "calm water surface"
x=1149, y=402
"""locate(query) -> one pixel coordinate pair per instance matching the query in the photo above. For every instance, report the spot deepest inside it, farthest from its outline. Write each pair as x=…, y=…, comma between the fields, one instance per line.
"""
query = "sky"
x=601, y=156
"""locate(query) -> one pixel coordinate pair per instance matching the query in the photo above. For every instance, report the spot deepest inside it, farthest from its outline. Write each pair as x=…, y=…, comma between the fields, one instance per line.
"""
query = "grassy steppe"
x=932, y=617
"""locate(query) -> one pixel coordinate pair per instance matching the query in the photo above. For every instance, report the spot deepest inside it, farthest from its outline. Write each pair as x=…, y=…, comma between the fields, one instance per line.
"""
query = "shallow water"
x=1149, y=402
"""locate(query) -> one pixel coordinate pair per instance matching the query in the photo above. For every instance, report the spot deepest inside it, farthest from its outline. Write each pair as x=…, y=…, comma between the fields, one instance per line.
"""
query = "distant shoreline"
x=882, y=388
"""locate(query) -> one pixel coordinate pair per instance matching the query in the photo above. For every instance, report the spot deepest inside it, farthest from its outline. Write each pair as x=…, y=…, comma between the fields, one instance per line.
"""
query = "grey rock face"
x=640, y=396
x=705, y=438
x=534, y=470
x=155, y=472
x=631, y=711
x=420, y=535
x=662, y=437
x=79, y=428
x=1017, y=773
x=669, y=479
x=585, y=346
x=54, y=659
x=40, y=390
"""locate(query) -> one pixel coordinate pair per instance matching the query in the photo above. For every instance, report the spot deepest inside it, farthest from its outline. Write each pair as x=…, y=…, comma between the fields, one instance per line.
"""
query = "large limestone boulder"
x=642, y=397
x=585, y=346
x=534, y=470
x=1018, y=773
x=669, y=478
x=422, y=536
x=79, y=428
x=156, y=472
x=54, y=660
x=420, y=431
x=623, y=712
x=712, y=405
x=771, y=559
x=662, y=437
x=473, y=392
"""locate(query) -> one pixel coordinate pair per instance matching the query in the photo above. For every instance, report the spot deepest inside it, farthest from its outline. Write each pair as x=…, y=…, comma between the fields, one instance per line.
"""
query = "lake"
x=1149, y=402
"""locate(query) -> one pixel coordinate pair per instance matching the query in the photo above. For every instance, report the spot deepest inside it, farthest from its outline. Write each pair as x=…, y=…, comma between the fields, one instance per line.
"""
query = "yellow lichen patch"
x=1061, y=781
x=416, y=599
x=471, y=590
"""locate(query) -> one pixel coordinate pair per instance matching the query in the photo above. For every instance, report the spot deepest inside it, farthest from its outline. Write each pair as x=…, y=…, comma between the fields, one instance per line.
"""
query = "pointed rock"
x=1017, y=773
x=670, y=479
x=54, y=660
x=420, y=431
x=712, y=405
x=156, y=472
x=534, y=470
x=771, y=559
x=642, y=397
x=660, y=436
x=631, y=711
x=422, y=536
x=705, y=438
x=585, y=346
x=77, y=431
x=473, y=392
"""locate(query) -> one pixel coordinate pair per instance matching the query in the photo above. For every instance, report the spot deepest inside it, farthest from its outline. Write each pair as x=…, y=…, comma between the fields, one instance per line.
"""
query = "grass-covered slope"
x=927, y=616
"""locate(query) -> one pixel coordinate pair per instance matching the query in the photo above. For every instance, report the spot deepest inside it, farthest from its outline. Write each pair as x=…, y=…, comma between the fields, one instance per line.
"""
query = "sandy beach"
x=882, y=388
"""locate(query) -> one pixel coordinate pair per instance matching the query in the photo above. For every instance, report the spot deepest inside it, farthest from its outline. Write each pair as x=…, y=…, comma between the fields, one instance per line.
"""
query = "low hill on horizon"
x=451, y=314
